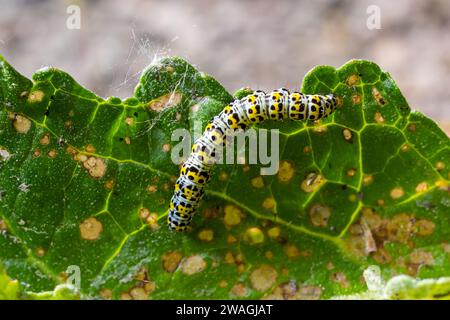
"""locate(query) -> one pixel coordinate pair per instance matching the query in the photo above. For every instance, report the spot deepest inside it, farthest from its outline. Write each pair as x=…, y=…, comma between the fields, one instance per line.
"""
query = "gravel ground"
x=264, y=44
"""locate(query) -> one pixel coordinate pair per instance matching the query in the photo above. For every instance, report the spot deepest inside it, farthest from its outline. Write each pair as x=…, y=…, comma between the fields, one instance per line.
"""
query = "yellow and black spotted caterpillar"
x=239, y=114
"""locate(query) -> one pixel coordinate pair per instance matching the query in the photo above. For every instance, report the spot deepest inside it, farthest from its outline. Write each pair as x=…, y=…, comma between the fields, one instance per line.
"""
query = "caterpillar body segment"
x=240, y=114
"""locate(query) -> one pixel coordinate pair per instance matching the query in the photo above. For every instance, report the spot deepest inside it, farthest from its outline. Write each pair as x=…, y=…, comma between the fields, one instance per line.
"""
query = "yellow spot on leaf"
x=90, y=229
x=125, y=296
x=312, y=182
x=95, y=166
x=397, y=193
x=167, y=101
x=223, y=176
x=206, y=235
x=378, y=117
x=351, y=172
x=274, y=232
x=3, y=226
x=144, y=213
x=263, y=278
x=319, y=215
x=129, y=121
x=269, y=203
x=90, y=148
x=320, y=129
x=257, y=182
x=52, y=153
x=347, y=134
x=37, y=153
x=291, y=251
x=378, y=97
x=421, y=257
x=109, y=184
x=440, y=165
x=106, y=294
x=352, y=80
x=356, y=99
x=285, y=171
x=193, y=264
x=21, y=124
x=45, y=139
x=231, y=239
x=341, y=279
x=138, y=293
x=166, y=147
x=400, y=228
x=424, y=228
x=254, y=236
x=152, y=221
x=171, y=260
x=422, y=187
x=40, y=252
x=36, y=96
x=239, y=290
x=232, y=215
x=412, y=127
x=367, y=179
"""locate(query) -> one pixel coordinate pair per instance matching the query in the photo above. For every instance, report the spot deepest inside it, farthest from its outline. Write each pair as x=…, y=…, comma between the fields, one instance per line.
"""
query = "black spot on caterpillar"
x=239, y=114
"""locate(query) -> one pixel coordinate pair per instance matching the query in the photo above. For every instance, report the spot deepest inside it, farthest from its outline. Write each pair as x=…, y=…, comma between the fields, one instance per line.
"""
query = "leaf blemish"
x=4, y=154
x=95, y=166
x=319, y=215
x=232, y=216
x=171, y=261
x=52, y=153
x=254, y=236
x=36, y=96
x=206, y=235
x=167, y=101
x=378, y=97
x=356, y=99
x=348, y=136
x=291, y=251
x=45, y=139
x=351, y=172
x=193, y=264
x=285, y=171
x=352, y=80
x=397, y=193
x=312, y=182
x=269, y=203
x=257, y=182
x=239, y=290
x=341, y=279
x=263, y=278
x=21, y=124
x=90, y=229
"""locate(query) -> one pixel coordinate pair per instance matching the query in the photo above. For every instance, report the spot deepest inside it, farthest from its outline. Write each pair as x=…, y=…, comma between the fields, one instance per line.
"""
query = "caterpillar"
x=240, y=114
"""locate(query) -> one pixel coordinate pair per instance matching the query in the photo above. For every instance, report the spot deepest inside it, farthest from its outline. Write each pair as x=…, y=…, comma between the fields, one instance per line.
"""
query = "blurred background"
x=263, y=44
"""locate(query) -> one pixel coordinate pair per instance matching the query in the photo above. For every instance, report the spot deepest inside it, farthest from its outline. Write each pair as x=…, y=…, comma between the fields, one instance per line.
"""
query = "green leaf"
x=9, y=289
x=86, y=182
x=12, y=290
